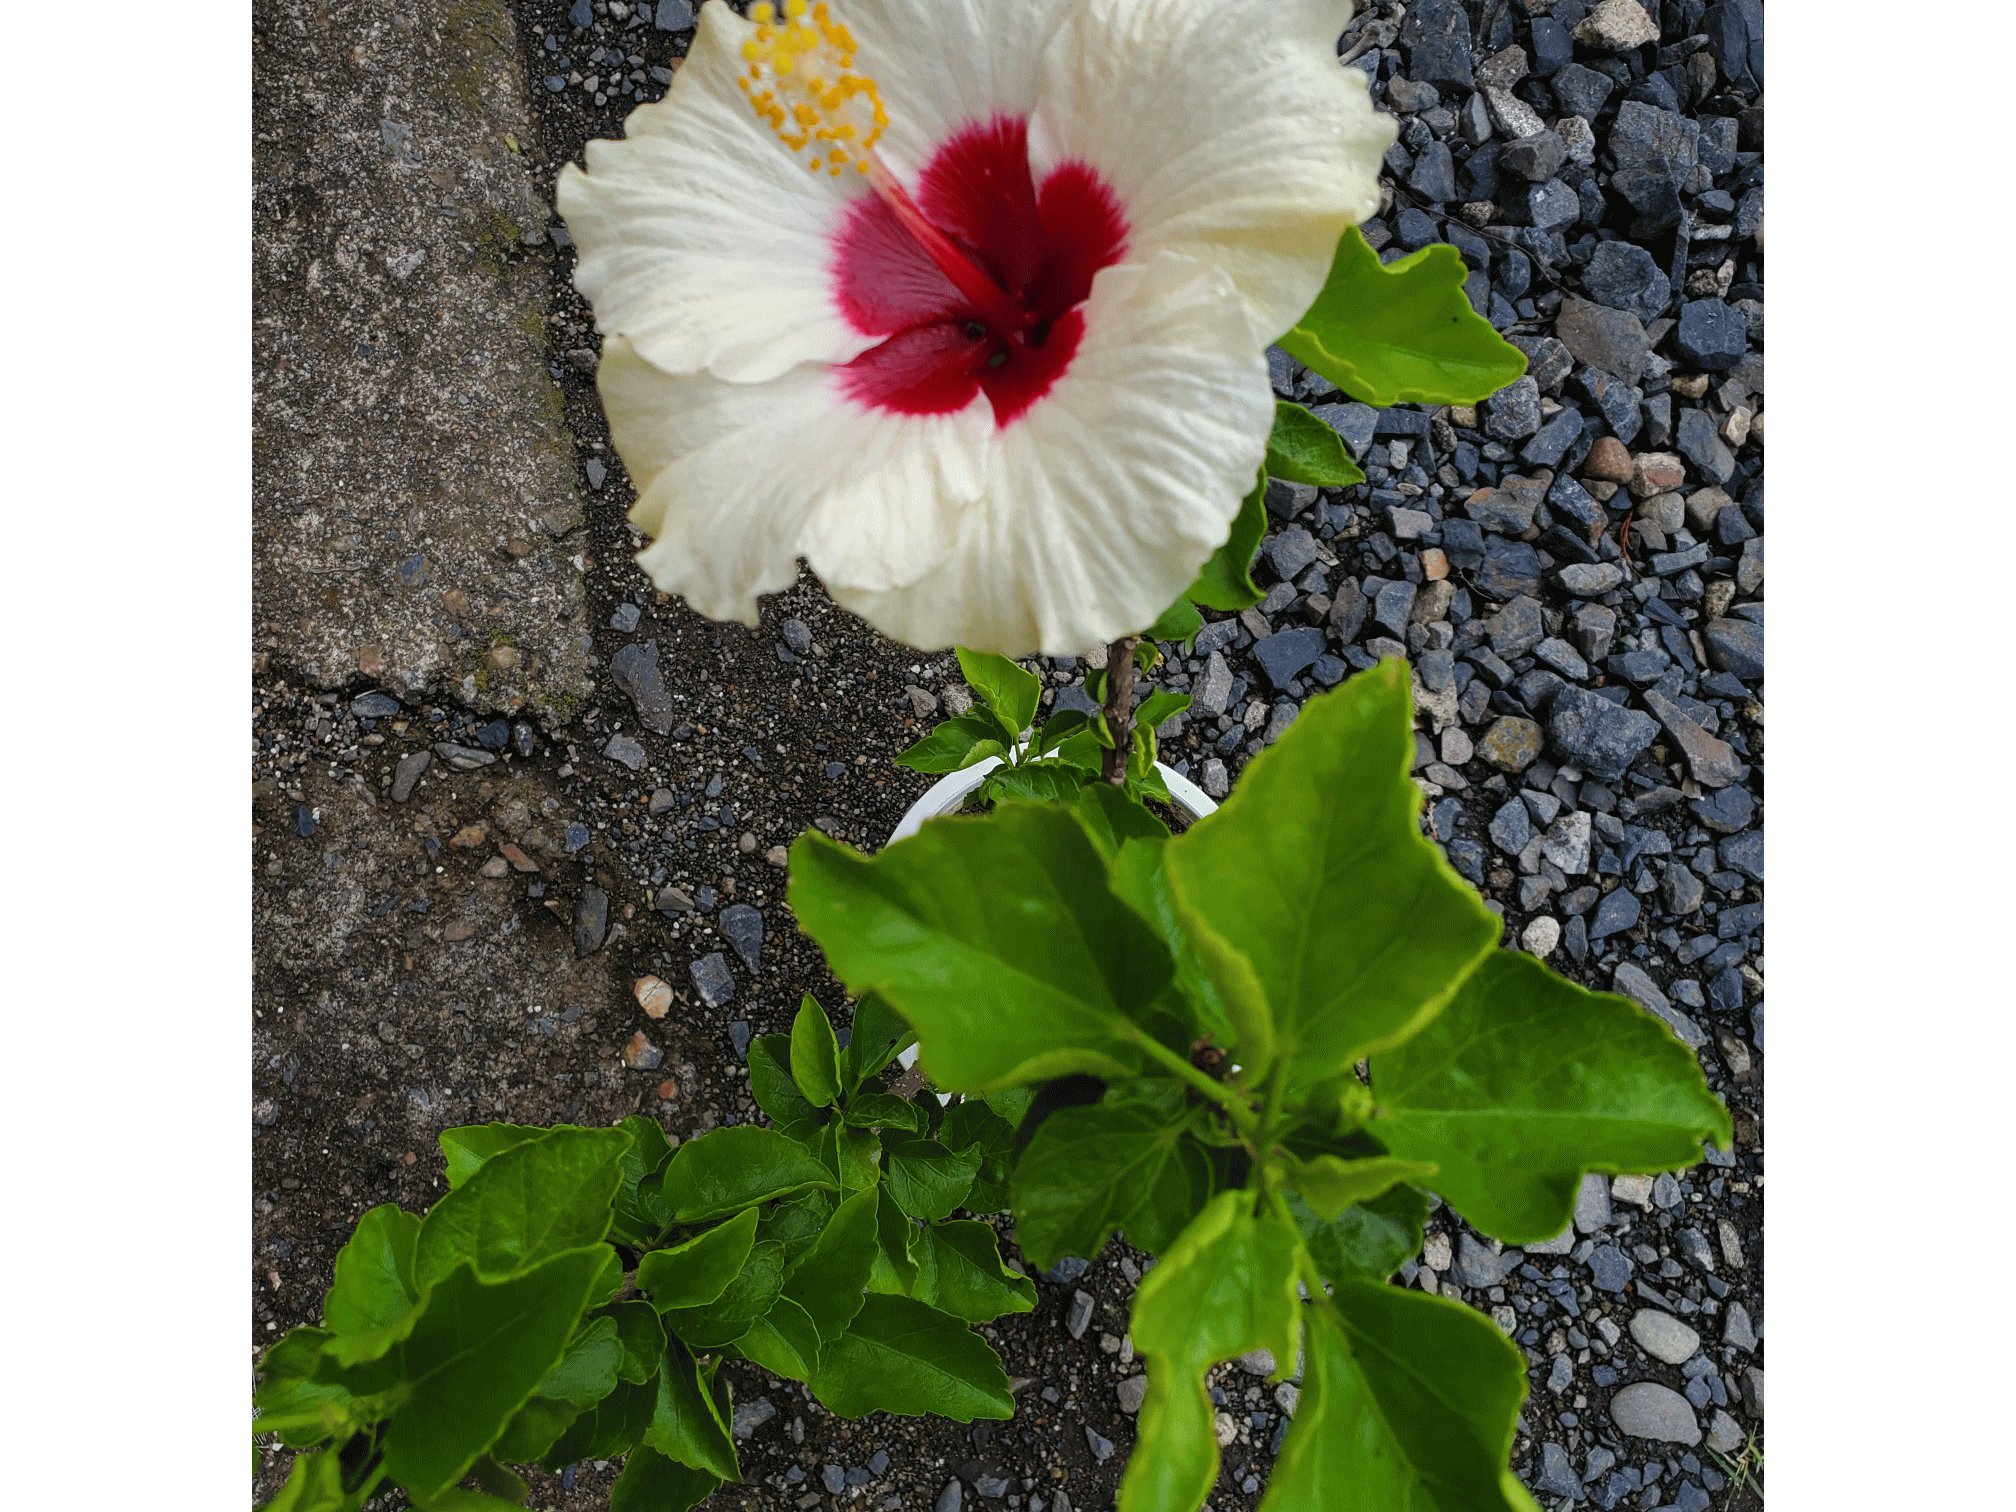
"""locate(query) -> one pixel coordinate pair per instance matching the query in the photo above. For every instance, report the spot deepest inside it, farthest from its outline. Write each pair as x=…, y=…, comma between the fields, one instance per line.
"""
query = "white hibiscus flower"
x=964, y=303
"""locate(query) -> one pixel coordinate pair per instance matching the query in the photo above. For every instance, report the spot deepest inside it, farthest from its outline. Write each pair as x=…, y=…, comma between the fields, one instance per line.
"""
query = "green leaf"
x=1058, y=728
x=374, y=1273
x=815, y=1054
x=467, y=1148
x=894, y=1272
x=587, y=1372
x=297, y=1399
x=1401, y=332
x=959, y=1271
x=1226, y=1286
x=1373, y=1239
x=879, y=1034
x=1179, y=622
x=850, y=1154
x=687, y=1422
x=784, y=1341
x=611, y=1427
x=639, y=1219
x=653, y=1482
x=1137, y=877
x=315, y=1484
x=777, y=1094
x=455, y=1499
x=1113, y=1165
x=827, y=1280
x=1226, y=581
x=972, y=1125
x=1409, y=1400
x=748, y=1296
x=1329, y=1184
x=535, y=1429
x=927, y=1180
x=475, y=1354
x=1159, y=707
x=642, y=1338
x=1303, y=449
x=495, y=1481
x=1007, y=689
x=882, y=1110
x=797, y=1222
x=1525, y=1082
x=1033, y=782
x=954, y=745
x=1315, y=872
x=524, y=1206
x=1112, y=818
x=726, y=1170
x=902, y=1356
x=697, y=1272
x=996, y=937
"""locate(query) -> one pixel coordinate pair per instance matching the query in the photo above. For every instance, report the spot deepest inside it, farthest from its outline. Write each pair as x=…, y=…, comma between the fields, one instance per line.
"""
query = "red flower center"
x=975, y=285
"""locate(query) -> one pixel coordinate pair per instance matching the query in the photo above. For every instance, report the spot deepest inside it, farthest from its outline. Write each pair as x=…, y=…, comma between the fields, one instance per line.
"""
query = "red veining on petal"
x=1040, y=246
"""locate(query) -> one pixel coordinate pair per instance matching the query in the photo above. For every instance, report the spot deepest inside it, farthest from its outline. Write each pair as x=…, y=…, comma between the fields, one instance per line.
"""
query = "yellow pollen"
x=801, y=81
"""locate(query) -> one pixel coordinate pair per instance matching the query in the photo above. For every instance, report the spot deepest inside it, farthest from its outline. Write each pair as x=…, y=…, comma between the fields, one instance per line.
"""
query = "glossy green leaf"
x=1137, y=878
x=770, y=1084
x=315, y=1484
x=1302, y=449
x=902, y=1356
x=1401, y=332
x=1180, y=622
x=1033, y=782
x=894, y=1272
x=851, y=1155
x=1527, y=1081
x=1226, y=581
x=468, y=1147
x=495, y=1481
x=1113, y=1165
x=954, y=745
x=959, y=1271
x=640, y=1217
x=524, y=1206
x=1159, y=707
x=815, y=1054
x=1372, y=1239
x=587, y=1372
x=475, y=1355
x=726, y=1170
x=748, y=1296
x=641, y=1336
x=927, y=1180
x=1315, y=871
x=996, y=937
x=534, y=1430
x=1407, y=1401
x=784, y=1341
x=1226, y=1286
x=1007, y=689
x=827, y=1280
x=878, y=1035
x=882, y=1110
x=972, y=1125
x=687, y=1423
x=697, y=1272
x=457, y=1499
x=1329, y=1184
x=797, y=1221
x=611, y=1427
x=306, y=1404
x=374, y=1285
x=1058, y=728
x=1111, y=818
x=653, y=1482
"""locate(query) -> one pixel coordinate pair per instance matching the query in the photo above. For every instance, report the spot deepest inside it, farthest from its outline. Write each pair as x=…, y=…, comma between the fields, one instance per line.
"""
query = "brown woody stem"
x=1119, y=707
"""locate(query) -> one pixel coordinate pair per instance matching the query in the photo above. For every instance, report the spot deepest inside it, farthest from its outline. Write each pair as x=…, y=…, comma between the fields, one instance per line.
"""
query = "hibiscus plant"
x=968, y=307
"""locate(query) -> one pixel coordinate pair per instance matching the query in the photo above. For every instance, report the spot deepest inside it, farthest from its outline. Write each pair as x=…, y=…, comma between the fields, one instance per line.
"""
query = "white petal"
x=942, y=64
x=738, y=480
x=1227, y=128
x=1110, y=491
x=703, y=239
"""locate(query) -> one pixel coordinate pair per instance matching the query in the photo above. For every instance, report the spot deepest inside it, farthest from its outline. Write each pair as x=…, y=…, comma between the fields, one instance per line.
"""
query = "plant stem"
x=1119, y=707
x=1235, y=1106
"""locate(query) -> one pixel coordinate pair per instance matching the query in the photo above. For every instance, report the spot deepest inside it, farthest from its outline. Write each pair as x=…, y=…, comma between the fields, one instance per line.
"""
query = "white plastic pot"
x=947, y=794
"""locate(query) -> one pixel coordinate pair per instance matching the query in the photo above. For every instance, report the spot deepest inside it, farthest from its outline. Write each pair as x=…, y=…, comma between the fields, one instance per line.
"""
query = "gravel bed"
x=1574, y=569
